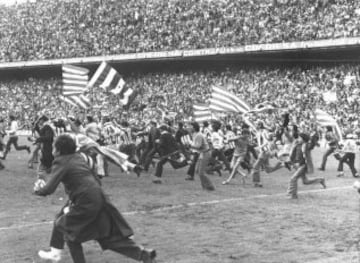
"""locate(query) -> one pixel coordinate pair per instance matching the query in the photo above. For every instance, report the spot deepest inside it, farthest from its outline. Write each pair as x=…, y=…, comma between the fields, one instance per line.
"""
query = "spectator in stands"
x=93, y=28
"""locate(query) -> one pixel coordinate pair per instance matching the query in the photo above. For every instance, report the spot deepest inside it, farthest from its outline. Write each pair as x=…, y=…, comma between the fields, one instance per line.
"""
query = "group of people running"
x=206, y=148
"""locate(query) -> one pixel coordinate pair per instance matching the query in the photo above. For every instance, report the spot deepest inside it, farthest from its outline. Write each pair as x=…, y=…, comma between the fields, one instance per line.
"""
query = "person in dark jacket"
x=300, y=156
x=45, y=139
x=169, y=152
x=151, y=150
x=88, y=215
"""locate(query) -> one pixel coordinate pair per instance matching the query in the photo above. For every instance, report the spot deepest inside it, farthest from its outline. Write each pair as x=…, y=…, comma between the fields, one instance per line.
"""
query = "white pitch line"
x=173, y=207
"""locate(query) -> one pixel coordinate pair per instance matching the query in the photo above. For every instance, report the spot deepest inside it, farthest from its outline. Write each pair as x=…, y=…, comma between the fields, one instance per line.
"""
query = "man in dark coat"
x=45, y=139
x=169, y=152
x=149, y=153
x=88, y=215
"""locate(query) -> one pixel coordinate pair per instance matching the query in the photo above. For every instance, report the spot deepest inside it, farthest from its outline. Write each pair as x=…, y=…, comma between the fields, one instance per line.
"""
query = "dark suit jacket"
x=180, y=133
x=154, y=134
x=91, y=215
x=46, y=139
x=167, y=144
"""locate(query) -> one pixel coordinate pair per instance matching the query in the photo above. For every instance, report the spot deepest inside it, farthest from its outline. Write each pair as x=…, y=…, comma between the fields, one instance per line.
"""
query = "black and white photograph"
x=180, y=131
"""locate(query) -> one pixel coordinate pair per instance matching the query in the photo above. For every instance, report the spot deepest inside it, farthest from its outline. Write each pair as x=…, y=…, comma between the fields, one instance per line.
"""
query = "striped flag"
x=128, y=98
x=80, y=101
x=223, y=100
x=325, y=119
x=85, y=144
x=110, y=80
x=75, y=80
x=186, y=139
x=201, y=112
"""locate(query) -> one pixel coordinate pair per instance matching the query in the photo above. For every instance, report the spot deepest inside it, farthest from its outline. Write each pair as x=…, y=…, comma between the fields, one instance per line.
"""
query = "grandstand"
x=65, y=29
x=287, y=47
x=298, y=54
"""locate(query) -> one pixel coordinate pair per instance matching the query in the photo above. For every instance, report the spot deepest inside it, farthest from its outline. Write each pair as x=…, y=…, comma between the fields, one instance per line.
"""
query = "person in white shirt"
x=349, y=150
x=217, y=141
x=13, y=138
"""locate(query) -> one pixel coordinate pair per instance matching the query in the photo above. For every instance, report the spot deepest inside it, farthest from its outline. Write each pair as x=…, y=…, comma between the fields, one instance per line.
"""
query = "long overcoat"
x=91, y=215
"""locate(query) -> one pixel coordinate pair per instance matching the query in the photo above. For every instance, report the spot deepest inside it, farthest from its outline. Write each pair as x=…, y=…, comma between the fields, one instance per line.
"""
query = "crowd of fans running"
x=48, y=29
x=298, y=89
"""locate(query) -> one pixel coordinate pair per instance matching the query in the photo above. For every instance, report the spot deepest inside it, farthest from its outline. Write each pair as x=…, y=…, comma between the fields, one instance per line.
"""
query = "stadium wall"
x=346, y=50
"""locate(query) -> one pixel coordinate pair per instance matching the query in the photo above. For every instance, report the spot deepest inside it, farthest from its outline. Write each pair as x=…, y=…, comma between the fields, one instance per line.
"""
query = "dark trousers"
x=184, y=151
x=325, y=156
x=129, y=149
x=2, y=145
x=213, y=165
x=349, y=159
x=14, y=140
x=229, y=154
x=221, y=156
x=174, y=163
x=148, y=158
x=139, y=149
x=251, y=149
x=123, y=246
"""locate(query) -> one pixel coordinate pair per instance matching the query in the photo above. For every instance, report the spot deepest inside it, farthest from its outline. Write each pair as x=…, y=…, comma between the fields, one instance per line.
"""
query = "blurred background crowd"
x=299, y=89
x=46, y=29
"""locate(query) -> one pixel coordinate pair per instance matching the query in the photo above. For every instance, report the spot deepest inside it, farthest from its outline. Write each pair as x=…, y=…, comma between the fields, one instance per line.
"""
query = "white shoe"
x=54, y=254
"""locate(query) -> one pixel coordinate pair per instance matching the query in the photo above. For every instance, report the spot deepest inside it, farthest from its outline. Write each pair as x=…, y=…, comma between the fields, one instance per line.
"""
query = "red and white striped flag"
x=201, y=112
x=223, y=100
x=325, y=119
x=75, y=80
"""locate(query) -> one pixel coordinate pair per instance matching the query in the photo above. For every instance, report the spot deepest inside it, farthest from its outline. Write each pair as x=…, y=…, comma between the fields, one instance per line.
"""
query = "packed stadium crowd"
x=47, y=29
x=301, y=90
